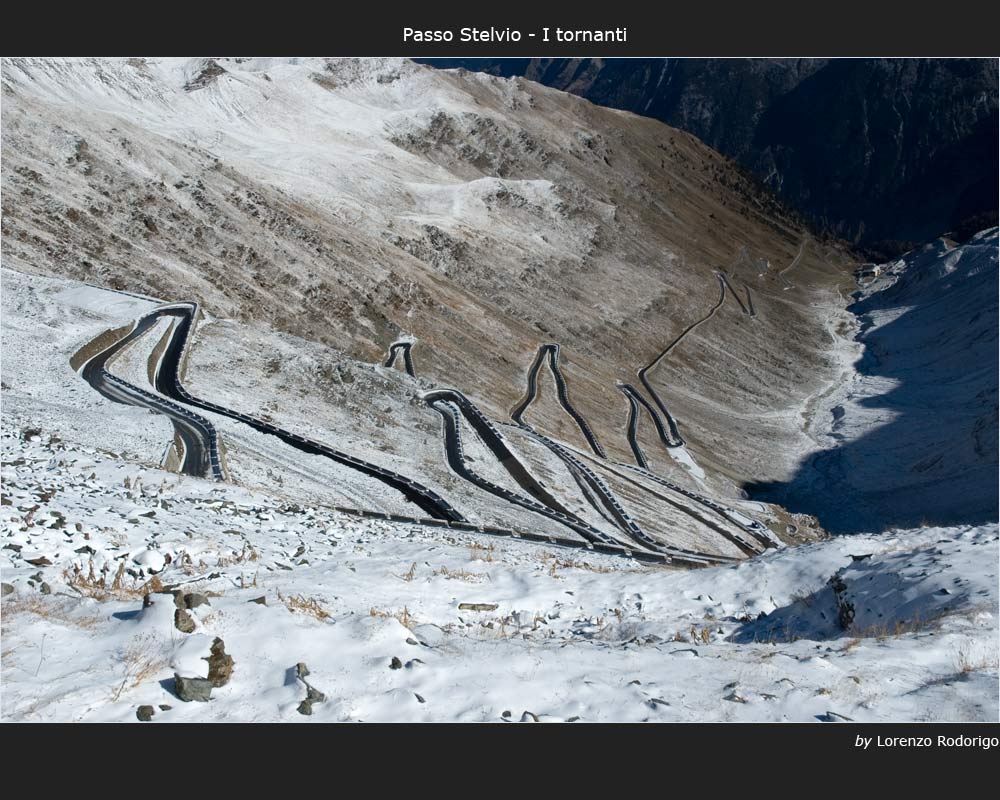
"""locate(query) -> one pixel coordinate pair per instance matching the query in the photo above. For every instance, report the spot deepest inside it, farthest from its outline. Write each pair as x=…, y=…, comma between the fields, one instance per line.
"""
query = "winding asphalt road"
x=632, y=428
x=675, y=440
x=586, y=477
x=455, y=454
x=199, y=440
x=552, y=351
x=635, y=398
x=450, y=404
x=197, y=435
x=750, y=309
x=394, y=350
x=491, y=437
x=733, y=292
x=748, y=525
x=793, y=265
x=168, y=384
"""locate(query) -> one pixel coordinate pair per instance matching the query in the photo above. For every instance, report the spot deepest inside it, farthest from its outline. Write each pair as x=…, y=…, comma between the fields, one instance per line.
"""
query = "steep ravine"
x=909, y=437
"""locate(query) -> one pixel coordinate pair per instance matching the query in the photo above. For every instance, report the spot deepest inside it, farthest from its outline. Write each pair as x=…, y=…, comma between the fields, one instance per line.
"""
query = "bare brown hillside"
x=351, y=202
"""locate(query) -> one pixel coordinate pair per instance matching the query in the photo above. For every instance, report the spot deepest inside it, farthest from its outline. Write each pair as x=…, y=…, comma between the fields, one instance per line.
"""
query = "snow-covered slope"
x=378, y=613
x=910, y=436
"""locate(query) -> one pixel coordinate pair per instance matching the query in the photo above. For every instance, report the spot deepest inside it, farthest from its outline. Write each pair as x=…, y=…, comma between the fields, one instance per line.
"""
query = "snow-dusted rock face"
x=351, y=202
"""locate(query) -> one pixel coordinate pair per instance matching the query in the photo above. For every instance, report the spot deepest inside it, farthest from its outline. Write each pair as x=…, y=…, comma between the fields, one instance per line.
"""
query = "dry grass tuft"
x=305, y=605
x=885, y=630
x=247, y=555
x=556, y=562
x=967, y=661
x=403, y=617
x=704, y=635
x=462, y=575
x=478, y=552
x=142, y=659
x=97, y=586
x=51, y=609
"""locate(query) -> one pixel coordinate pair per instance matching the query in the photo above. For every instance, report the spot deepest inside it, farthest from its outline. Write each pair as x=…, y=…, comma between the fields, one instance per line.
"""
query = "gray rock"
x=305, y=708
x=192, y=689
x=7, y=589
x=395, y=663
x=220, y=664
x=183, y=621
x=144, y=713
x=45, y=588
x=194, y=599
x=165, y=707
x=313, y=695
x=189, y=600
x=261, y=601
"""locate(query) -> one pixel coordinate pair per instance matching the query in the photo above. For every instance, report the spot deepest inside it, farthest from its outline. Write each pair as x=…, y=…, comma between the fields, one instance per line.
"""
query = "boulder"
x=192, y=689
x=220, y=664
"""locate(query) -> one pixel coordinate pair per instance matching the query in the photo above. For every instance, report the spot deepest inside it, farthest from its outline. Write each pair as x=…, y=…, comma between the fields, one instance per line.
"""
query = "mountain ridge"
x=886, y=153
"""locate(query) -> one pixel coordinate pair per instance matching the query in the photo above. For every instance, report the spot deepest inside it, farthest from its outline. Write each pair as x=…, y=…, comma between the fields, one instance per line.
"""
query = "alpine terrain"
x=364, y=390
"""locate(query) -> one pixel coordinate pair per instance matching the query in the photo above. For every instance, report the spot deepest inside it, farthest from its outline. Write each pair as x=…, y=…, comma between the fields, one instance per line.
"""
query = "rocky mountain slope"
x=351, y=203
x=890, y=153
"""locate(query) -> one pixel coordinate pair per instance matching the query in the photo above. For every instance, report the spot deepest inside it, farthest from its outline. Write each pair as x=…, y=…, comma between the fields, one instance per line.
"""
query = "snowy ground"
x=571, y=636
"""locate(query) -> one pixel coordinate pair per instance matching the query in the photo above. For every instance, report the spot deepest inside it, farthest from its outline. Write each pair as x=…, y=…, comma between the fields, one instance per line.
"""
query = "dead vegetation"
x=142, y=659
x=304, y=605
x=695, y=635
x=487, y=553
x=462, y=575
x=555, y=563
x=403, y=617
x=886, y=630
x=96, y=584
x=968, y=661
x=52, y=609
x=247, y=555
